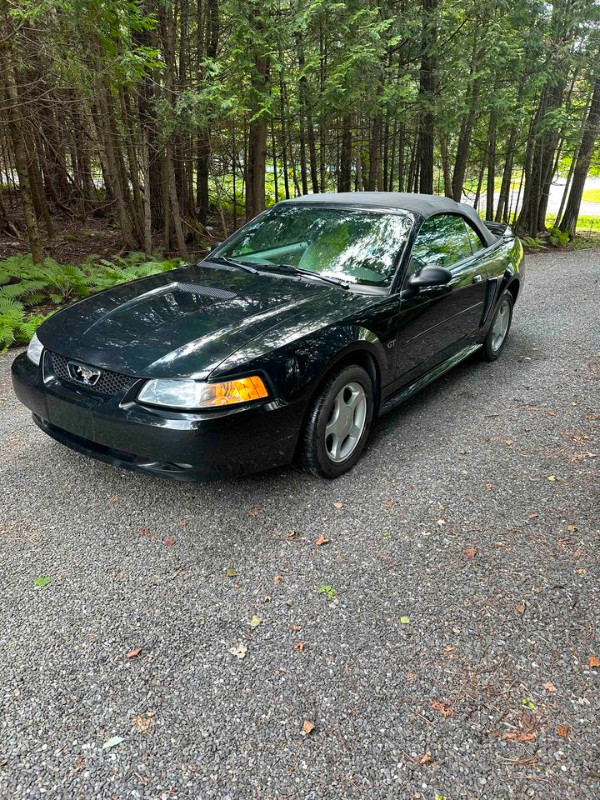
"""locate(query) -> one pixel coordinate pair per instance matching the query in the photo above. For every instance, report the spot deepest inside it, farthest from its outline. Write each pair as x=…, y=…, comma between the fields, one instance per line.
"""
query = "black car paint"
x=290, y=330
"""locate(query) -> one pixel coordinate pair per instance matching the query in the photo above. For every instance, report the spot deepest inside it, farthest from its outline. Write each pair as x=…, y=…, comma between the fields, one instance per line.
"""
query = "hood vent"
x=206, y=291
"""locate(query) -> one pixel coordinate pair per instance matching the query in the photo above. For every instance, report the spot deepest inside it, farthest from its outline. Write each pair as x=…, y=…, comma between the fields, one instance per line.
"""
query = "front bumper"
x=184, y=446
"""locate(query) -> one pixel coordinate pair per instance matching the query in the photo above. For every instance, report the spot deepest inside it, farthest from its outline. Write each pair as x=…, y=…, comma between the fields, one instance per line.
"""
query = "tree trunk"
x=491, y=166
x=257, y=136
x=345, y=175
x=16, y=128
x=374, y=154
x=591, y=132
x=464, y=143
x=207, y=42
x=427, y=94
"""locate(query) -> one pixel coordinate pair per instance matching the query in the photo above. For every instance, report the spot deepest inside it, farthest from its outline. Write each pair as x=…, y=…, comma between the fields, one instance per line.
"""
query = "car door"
x=436, y=322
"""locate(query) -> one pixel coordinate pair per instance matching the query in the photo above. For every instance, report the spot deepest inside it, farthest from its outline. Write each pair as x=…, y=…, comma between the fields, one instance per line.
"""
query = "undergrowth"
x=30, y=292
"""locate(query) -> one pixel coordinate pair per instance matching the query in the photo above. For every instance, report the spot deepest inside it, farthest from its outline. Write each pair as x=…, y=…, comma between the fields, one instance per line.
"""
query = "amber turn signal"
x=241, y=390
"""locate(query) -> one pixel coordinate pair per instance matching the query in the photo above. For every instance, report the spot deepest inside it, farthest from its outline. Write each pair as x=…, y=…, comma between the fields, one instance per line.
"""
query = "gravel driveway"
x=442, y=640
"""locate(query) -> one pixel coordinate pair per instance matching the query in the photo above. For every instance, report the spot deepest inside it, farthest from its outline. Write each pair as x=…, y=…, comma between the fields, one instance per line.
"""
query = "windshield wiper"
x=238, y=264
x=310, y=274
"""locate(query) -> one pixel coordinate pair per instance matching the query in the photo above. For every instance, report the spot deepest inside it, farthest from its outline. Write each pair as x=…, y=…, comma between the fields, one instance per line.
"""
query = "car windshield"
x=358, y=247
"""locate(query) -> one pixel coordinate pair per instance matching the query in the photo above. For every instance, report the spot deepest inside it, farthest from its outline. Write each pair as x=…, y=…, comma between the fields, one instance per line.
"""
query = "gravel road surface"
x=442, y=641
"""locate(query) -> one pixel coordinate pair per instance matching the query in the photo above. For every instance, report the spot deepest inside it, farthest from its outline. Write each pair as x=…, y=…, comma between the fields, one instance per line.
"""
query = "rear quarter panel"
x=503, y=264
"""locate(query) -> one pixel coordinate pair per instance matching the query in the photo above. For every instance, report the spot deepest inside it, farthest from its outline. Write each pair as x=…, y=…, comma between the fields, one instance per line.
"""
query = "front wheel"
x=338, y=423
x=498, y=332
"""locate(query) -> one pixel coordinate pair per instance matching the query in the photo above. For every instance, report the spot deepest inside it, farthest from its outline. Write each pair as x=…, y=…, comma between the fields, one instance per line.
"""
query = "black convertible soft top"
x=426, y=205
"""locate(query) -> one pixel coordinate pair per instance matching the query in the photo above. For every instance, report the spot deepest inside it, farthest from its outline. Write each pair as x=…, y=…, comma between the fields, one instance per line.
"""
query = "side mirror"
x=430, y=278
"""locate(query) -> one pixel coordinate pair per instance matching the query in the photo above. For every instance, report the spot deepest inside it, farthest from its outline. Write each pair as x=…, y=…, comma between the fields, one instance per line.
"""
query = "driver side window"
x=442, y=241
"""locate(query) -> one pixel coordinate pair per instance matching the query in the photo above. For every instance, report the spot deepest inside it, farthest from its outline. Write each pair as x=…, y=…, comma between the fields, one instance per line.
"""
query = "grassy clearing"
x=591, y=195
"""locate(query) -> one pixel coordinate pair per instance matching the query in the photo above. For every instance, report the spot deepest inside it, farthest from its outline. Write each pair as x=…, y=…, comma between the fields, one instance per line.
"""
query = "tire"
x=338, y=423
x=497, y=335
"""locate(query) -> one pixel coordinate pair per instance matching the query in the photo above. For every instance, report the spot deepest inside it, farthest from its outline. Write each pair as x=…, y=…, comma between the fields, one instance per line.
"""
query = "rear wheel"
x=338, y=423
x=498, y=332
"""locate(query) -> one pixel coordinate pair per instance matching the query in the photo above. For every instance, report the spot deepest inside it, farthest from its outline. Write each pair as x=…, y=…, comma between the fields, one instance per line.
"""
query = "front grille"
x=109, y=383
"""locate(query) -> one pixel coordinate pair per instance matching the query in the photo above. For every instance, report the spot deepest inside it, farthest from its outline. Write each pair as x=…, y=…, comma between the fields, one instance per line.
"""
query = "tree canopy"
x=170, y=115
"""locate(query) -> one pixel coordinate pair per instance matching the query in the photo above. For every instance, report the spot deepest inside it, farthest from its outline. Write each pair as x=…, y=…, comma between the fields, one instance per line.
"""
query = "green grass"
x=584, y=224
x=591, y=195
x=30, y=292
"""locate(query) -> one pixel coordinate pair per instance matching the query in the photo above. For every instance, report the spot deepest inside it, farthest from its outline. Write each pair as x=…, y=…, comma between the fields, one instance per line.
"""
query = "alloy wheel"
x=500, y=327
x=346, y=422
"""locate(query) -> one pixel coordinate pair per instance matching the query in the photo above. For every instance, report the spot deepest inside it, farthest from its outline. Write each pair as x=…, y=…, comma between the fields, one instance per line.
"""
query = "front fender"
x=295, y=368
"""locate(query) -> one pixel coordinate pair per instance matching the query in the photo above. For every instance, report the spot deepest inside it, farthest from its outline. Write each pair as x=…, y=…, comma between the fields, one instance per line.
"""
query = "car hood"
x=182, y=323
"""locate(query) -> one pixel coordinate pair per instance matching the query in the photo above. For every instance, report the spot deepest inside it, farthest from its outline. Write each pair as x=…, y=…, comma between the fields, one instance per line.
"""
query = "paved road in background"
x=453, y=658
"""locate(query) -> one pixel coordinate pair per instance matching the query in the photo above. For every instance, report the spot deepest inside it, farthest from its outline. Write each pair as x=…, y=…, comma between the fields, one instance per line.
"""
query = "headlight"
x=189, y=395
x=34, y=351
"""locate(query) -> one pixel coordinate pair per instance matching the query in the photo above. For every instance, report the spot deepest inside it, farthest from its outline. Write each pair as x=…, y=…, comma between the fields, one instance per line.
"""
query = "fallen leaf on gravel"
x=42, y=581
x=143, y=532
x=299, y=646
x=267, y=598
x=534, y=515
x=551, y=413
x=410, y=676
x=239, y=650
x=581, y=571
x=441, y=522
x=277, y=579
x=449, y=648
x=296, y=628
x=255, y=621
x=405, y=620
x=390, y=504
x=594, y=661
x=489, y=486
x=231, y=573
x=338, y=504
x=112, y=742
x=522, y=737
x=79, y=763
x=470, y=552
x=528, y=703
x=168, y=542
x=571, y=528
x=112, y=499
x=563, y=731
x=142, y=723
x=520, y=607
x=254, y=511
x=463, y=452
x=552, y=478
x=134, y=653
x=443, y=706
x=321, y=541
x=426, y=759
x=307, y=727
x=292, y=535
x=549, y=687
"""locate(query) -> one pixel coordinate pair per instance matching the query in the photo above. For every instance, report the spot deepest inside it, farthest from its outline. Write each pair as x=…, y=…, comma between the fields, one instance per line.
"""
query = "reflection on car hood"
x=180, y=323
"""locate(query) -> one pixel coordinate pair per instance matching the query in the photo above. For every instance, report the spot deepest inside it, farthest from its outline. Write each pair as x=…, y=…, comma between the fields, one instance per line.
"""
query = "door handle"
x=477, y=279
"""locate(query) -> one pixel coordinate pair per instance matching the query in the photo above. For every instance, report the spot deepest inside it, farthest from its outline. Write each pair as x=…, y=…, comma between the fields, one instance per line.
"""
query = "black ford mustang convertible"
x=283, y=344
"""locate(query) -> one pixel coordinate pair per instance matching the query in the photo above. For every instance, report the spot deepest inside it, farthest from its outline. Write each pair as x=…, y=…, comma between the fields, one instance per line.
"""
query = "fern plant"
x=25, y=285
